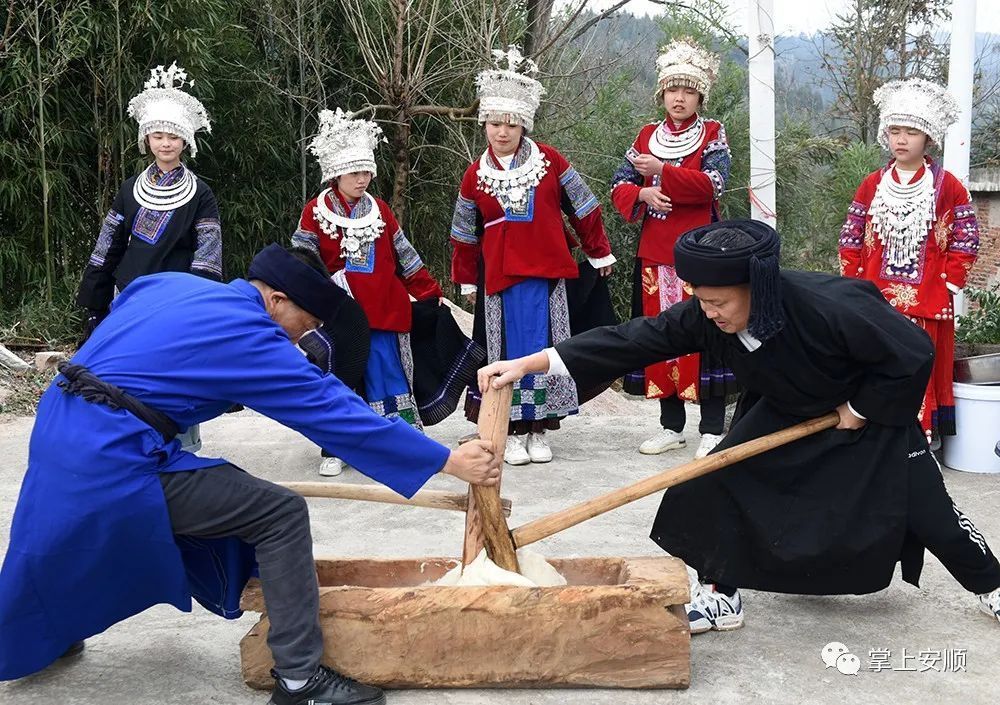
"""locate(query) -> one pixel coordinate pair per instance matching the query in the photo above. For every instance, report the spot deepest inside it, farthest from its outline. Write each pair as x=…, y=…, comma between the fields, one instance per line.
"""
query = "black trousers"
x=939, y=526
x=713, y=414
x=945, y=531
x=226, y=501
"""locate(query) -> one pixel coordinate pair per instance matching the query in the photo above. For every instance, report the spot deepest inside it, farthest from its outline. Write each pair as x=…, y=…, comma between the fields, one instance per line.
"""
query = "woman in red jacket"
x=512, y=251
x=369, y=255
x=912, y=230
x=670, y=181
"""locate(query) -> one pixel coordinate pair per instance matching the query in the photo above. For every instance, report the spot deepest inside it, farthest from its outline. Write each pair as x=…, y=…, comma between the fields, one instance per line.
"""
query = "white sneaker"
x=710, y=609
x=515, y=453
x=538, y=448
x=331, y=467
x=989, y=602
x=662, y=442
x=707, y=445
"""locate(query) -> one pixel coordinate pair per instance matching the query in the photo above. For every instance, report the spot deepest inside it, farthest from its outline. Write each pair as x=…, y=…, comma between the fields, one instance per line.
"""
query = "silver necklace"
x=669, y=145
x=357, y=232
x=902, y=215
x=512, y=186
x=164, y=198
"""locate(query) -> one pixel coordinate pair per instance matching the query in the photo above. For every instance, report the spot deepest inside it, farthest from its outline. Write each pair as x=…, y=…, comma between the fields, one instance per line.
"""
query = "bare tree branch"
x=569, y=22
x=599, y=18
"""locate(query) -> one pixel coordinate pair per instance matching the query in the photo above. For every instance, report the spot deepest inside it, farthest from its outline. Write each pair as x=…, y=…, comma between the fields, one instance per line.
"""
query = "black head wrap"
x=307, y=288
x=756, y=265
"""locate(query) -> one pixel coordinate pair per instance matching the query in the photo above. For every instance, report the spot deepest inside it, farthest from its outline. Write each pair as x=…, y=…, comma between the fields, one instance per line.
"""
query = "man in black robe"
x=829, y=514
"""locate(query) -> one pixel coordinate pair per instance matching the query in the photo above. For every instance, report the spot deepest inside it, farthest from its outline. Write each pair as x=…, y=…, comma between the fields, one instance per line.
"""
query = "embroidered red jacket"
x=694, y=185
x=535, y=243
x=946, y=256
x=383, y=275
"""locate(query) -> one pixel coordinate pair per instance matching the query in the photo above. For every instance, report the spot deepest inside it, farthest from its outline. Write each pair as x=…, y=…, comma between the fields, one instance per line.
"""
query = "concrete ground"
x=167, y=657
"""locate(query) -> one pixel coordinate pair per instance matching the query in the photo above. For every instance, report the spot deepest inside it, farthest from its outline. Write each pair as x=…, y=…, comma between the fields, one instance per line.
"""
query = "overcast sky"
x=794, y=16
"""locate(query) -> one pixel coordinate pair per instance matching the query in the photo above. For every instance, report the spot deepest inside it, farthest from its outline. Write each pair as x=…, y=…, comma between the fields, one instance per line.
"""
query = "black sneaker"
x=326, y=687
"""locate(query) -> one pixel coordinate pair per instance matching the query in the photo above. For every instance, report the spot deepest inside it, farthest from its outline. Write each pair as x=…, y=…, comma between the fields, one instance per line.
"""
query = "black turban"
x=756, y=265
x=311, y=291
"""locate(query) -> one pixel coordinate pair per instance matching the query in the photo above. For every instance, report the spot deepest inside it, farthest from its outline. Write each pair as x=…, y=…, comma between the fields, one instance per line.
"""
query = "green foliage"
x=981, y=325
x=817, y=179
x=265, y=69
x=595, y=141
x=37, y=324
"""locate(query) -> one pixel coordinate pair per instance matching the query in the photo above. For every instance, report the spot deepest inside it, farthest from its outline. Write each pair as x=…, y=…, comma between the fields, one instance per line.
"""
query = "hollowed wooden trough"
x=619, y=623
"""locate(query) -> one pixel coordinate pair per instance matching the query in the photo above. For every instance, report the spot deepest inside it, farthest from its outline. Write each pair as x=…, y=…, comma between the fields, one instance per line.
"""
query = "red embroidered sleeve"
x=963, y=239
x=625, y=186
x=852, y=233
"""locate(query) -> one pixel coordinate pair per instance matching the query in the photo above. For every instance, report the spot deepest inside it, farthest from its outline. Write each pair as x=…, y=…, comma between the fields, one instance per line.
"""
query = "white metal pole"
x=761, y=73
x=961, y=65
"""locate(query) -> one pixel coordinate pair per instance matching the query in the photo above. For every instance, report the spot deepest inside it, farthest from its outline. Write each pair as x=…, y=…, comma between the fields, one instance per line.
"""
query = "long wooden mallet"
x=432, y=499
x=484, y=520
x=554, y=523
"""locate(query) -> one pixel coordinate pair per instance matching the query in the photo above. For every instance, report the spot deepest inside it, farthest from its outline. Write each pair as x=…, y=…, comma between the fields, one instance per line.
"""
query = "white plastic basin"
x=977, y=420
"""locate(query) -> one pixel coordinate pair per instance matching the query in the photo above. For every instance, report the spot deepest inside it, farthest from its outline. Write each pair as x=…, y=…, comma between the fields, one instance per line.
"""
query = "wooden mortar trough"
x=619, y=623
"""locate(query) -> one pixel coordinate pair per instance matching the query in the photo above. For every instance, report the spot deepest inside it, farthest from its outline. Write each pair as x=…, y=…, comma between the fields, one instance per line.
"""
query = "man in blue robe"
x=114, y=517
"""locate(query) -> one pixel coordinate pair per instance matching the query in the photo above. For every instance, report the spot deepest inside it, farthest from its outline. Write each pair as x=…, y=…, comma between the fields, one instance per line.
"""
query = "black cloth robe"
x=823, y=515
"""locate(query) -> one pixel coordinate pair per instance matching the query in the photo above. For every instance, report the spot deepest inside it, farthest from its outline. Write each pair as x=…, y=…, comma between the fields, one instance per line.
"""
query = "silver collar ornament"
x=665, y=144
x=511, y=187
x=354, y=233
x=164, y=198
x=902, y=215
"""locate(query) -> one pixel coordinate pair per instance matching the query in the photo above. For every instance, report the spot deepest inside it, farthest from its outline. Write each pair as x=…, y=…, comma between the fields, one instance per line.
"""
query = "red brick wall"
x=986, y=272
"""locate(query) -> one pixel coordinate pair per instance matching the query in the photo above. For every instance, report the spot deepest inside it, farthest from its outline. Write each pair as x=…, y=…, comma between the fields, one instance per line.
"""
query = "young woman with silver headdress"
x=512, y=252
x=369, y=255
x=165, y=219
x=670, y=182
x=912, y=230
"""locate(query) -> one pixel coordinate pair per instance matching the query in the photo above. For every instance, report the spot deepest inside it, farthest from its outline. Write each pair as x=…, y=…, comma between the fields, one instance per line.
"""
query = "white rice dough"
x=535, y=572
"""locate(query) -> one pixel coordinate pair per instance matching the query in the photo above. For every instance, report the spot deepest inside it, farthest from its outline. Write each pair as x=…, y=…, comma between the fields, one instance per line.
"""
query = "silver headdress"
x=916, y=103
x=345, y=144
x=509, y=94
x=684, y=63
x=164, y=107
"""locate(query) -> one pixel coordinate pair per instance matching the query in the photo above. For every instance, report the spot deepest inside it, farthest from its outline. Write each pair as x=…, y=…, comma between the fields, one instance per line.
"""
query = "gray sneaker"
x=710, y=609
x=989, y=602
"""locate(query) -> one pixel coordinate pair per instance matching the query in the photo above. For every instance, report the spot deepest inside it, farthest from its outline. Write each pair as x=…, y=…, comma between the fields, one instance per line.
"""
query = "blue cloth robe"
x=91, y=542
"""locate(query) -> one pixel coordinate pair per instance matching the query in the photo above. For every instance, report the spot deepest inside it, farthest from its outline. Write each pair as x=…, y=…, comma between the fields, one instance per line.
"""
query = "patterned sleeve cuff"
x=112, y=221
x=598, y=262
x=467, y=289
x=464, y=227
x=305, y=238
x=208, y=256
x=583, y=199
x=409, y=261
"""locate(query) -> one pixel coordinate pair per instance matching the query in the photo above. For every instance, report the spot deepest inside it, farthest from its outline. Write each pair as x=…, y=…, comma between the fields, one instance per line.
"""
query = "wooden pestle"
x=554, y=523
x=485, y=524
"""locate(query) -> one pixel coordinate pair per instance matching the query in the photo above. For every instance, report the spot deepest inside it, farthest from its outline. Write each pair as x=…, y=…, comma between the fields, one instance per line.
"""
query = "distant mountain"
x=801, y=85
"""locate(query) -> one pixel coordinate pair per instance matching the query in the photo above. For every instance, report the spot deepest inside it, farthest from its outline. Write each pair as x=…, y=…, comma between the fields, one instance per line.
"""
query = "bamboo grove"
x=265, y=68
